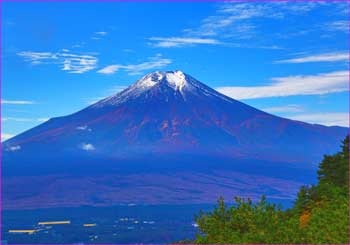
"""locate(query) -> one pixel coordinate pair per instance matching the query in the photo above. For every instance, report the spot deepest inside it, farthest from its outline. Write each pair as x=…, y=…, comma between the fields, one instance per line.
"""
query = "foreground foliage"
x=319, y=214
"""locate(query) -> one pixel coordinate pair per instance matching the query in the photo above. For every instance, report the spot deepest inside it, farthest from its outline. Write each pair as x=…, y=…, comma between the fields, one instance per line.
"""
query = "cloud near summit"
x=322, y=83
x=154, y=62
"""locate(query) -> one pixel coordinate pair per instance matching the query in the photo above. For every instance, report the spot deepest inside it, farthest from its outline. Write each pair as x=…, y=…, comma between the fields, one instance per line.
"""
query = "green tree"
x=334, y=169
x=319, y=215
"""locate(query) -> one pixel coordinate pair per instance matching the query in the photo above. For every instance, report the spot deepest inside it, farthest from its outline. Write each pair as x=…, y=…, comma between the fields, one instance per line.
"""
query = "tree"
x=334, y=169
x=320, y=213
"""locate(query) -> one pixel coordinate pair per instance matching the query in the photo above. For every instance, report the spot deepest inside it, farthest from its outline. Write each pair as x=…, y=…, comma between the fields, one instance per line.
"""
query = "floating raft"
x=64, y=222
x=89, y=225
x=22, y=231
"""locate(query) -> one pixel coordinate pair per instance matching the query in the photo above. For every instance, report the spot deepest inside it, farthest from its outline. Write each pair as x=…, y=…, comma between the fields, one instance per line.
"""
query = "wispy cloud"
x=21, y=119
x=167, y=42
x=298, y=112
x=340, y=25
x=101, y=33
x=17, y=102
x=237, y=19
x=243, y=23
x=323, y=83
x=284, y=109
x=79, y=45
x=78, y=63
x=154, y=62
x=328, y=119
x=327, y=57
x=72, y=63
x=230, y=17
x=38, y=57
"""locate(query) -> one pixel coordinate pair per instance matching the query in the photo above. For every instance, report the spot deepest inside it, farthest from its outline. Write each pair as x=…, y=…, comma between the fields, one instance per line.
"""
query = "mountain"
x=167, y=138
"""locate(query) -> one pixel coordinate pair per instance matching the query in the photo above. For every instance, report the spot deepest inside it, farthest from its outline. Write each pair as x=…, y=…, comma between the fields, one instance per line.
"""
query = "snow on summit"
x=166, y=82
x=175, y=79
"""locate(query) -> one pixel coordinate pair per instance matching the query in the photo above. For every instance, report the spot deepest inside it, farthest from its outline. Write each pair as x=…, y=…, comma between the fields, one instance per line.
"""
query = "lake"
x=127, y=223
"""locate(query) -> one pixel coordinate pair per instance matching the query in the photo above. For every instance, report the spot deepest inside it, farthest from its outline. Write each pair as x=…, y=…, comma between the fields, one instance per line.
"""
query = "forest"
x=319, y=215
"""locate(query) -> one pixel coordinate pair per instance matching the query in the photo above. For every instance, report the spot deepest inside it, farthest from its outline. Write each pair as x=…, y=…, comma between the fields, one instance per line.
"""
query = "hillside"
x=320, y=214
x=167, y=138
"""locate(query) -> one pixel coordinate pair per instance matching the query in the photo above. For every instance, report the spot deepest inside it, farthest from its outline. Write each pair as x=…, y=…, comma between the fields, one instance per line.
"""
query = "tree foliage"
x=320, y=212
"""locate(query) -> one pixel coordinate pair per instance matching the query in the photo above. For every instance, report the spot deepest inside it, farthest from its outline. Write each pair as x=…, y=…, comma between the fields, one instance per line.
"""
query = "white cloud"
x=328, y=119
x=153, y=63
x=14, y=148
x=297, y=112
x=233, y=21
x=38, y=57
x=79, y=45
x=87, y=147
x=240, y=24
x=285, y=108
x=5, y=136
x=78, y=63
x=101, y=33
x=17, y=102
x=20, y=119
x=231, y=17
x=340, y=25
x=237, y=19
x=243, y=22
x=326, y=57
x=167, y=42
x=73, y=63
x=323, y=83
x=298, y=7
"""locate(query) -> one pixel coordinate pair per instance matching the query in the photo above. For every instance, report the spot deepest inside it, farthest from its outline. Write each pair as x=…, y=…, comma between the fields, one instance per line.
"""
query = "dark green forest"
x=320, y=213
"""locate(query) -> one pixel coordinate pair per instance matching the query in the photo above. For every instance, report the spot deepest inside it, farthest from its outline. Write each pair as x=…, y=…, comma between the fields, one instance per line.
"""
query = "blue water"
x=117, y=224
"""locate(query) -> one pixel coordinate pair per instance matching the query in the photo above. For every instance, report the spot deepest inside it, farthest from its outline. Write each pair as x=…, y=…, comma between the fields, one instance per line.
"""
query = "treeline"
x=319, y=215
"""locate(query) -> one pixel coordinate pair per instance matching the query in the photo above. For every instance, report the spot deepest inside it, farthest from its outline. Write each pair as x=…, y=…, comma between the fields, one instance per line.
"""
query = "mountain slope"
x=169, y=112
x=169, y=122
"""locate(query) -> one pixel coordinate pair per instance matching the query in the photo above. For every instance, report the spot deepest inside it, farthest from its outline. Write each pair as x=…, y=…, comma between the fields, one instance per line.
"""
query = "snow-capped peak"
x=175, y=79
x=149, y=80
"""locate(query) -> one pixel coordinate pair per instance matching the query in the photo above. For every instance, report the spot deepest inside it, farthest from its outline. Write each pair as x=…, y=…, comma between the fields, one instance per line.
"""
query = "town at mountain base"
x=320, y=214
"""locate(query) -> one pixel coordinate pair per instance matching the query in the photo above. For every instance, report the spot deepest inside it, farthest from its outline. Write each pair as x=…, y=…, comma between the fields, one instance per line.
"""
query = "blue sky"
x=290, y=59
